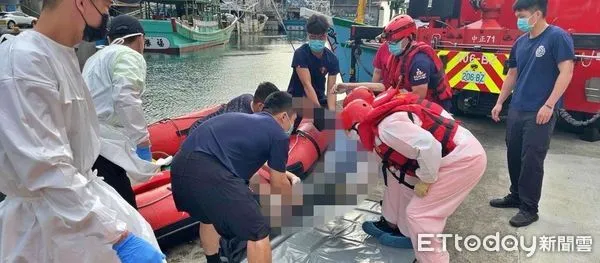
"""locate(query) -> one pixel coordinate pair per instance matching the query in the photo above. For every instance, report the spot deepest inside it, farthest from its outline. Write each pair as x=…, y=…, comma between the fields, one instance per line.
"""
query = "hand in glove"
x=293, y=178
x=144, y=153
x=421, y=189
x=133, y=249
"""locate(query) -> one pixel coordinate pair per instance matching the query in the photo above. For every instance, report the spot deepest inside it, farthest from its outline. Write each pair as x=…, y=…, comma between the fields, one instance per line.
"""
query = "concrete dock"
x=568, y=208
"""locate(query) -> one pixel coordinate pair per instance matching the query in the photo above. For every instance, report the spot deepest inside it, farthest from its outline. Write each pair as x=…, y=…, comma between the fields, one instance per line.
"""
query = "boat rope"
x=283, y=25
x=569, y=119
x=313, y=141
x=332, y=35
x=357, y=54
x=293, y=145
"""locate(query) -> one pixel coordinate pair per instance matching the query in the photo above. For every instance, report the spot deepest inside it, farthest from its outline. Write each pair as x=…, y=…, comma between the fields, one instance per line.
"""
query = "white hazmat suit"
x=56, y=209
x=115, y=76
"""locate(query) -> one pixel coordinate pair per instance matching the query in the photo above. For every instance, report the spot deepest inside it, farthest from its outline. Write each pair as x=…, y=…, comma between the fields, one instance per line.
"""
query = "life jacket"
x=443, y=129
x=399, y=70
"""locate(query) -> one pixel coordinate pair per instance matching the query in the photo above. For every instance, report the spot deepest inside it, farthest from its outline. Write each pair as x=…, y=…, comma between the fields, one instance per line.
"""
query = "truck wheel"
x=458, y=104
x=564, y=125
x=590, y=134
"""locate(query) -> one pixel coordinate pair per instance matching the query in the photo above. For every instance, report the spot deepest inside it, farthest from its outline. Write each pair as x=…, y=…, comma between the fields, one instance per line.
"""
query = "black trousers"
x=116, y=177
x=527, y=144
x=322, y=117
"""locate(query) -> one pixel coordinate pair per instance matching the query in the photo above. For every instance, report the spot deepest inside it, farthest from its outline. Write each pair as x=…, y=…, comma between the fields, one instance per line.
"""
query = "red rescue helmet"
x=400, y=27
x=362, y=93
x=355, y=112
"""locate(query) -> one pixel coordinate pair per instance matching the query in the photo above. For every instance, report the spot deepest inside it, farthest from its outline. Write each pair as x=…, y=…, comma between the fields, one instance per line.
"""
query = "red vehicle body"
x=474, y=38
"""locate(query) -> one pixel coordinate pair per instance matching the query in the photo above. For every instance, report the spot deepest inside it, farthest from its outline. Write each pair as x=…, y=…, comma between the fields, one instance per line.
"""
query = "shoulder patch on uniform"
x=541, y=50
x=419, y=75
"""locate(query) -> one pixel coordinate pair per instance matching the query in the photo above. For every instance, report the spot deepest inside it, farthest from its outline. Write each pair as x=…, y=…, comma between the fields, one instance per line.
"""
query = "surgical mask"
x=121, y=40
x=395, y=48
x=523, y=24
x=93, y=34
x=291, y=129
x=316, y=45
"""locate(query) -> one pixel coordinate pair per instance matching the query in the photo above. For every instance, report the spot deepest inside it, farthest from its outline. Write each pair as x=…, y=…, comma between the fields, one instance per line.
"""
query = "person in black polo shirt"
x=314, y=65
x=245, y=103
x=210, y=174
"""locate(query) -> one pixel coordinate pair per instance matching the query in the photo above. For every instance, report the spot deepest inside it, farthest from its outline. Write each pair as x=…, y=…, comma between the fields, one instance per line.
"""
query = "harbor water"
x=177, y=85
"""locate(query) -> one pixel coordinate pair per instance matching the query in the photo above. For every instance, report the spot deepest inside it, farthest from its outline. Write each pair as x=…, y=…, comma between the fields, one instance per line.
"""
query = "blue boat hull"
x=339, y=43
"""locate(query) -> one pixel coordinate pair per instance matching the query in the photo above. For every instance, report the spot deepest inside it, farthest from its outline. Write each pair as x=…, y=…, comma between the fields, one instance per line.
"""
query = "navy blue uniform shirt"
x=537, y=62
x=319, y=68
x=423, y=71
x=242, y=142
x=242, y=103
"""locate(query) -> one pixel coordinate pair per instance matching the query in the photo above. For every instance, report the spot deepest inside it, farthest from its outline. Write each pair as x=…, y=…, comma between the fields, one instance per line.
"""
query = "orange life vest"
x=443, y=129
x=399, y=70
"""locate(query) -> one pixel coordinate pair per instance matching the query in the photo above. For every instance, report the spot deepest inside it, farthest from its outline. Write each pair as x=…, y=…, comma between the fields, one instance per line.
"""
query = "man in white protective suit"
x=116, y=77
x=56, y=208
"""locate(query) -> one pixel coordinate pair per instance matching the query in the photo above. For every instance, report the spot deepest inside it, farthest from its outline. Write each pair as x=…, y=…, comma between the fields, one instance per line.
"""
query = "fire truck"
x=473, y=38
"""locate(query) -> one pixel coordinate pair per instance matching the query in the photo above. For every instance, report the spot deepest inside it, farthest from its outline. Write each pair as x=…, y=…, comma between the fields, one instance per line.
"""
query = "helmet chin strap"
x=404, y=50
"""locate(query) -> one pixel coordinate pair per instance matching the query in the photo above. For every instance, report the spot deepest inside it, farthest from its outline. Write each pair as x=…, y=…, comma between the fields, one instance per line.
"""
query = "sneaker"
x=396, y=240
x=377, y=228
x=508, y=201
x=523, y=218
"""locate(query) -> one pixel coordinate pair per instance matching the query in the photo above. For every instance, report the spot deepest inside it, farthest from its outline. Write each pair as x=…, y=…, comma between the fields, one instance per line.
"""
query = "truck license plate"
x=473, y=76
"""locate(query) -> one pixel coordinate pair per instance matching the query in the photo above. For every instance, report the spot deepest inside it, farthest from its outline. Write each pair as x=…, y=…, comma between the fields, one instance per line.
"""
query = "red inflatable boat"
x=155, y=199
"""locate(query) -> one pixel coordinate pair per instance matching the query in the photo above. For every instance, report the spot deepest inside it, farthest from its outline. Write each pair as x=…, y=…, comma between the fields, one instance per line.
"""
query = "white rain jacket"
x=115, y=76
x=56, y=209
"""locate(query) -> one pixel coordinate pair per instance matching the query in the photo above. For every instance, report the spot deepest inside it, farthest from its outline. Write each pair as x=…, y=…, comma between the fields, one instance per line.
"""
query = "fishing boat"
x=179, y=26
x=250, y=20
x=254, y=23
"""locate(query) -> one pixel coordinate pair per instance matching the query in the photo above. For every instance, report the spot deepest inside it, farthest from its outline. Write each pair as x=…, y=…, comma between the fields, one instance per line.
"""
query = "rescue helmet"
x=361, y=92
x=354, y=112
x=400, y=27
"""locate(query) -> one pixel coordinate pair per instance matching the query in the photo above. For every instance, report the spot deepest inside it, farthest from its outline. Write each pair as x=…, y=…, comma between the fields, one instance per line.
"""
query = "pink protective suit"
x=452, y=178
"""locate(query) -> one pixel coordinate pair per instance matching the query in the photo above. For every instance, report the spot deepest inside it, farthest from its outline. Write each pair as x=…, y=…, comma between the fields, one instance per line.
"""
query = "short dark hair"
x=317, y=25
x=531, y=5
x=278, y=102
x=263, y=90
x=49, y=4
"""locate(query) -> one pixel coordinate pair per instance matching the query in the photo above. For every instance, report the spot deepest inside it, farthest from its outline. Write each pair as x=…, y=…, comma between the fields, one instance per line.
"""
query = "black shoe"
x=523, y=218
x=508, y=201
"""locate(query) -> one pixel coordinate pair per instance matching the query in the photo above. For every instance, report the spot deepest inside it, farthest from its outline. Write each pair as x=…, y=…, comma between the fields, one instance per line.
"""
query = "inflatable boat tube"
x=306, y=148
x=167, y=135
x=155, y=199
x=155, y=203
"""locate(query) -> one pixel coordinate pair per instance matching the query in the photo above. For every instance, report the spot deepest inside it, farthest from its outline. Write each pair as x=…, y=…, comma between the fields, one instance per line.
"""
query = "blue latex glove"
x=144, y=153
x=136, y=250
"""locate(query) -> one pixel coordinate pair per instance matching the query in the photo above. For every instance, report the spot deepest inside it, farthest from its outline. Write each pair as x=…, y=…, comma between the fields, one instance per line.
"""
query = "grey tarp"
x=341, y=240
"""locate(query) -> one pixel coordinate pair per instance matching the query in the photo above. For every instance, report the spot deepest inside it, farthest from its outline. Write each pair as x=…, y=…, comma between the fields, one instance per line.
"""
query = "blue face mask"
x=316, y=45
x=395, y=49
x=291, y=129
x=523, y=24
